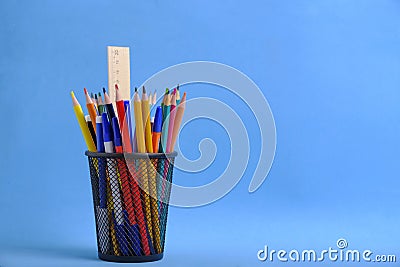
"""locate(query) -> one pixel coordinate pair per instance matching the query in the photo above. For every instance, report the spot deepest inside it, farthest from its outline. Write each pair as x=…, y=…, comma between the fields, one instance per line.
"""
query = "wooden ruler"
x=119, y=71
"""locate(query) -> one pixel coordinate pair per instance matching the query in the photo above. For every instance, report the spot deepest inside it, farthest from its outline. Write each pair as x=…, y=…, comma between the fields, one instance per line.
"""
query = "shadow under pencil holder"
x=131, y=194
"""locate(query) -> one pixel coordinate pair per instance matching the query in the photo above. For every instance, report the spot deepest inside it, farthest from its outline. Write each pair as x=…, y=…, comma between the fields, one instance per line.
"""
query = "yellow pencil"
x=146, y=121
x=141, y=148
x=82, y=123
x=151, y=174
x=110, y=206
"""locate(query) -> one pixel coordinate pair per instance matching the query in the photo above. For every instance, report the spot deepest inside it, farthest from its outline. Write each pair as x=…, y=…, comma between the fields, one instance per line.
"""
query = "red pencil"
x=127, y=148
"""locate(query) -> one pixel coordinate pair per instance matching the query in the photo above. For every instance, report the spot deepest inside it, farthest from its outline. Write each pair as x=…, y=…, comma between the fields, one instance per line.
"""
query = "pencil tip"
x=143, y=89
x=177, y=88
x=91, y=95
x=95, y=96
x=104, y=90
x=84, y=90
x=72, y=94
x=116, y=87
x=99, y=93
x=135, y=89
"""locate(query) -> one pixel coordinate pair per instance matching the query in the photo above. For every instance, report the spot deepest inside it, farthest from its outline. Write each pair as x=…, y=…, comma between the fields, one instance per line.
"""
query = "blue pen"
x=164, y=135
x=107, y=134
x=132, y=132
x=99, y=135
x=109, y=105
x=114, y=184
x=117, y=135
x=109, y=108
x=160, y=182
x=133, y=228
x=127, y=106
x=157, y=129
x=103, y=226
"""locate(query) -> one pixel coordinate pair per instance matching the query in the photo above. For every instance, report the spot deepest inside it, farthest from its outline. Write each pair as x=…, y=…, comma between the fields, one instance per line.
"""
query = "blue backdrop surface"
x=329, y=70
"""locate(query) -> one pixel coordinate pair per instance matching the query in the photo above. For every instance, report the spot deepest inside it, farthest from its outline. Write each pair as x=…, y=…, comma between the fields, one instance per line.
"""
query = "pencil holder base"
x=130, y=259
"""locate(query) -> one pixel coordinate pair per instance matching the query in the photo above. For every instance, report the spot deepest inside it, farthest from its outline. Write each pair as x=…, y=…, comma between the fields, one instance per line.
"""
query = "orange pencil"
x=91, y=108
x=178, y=120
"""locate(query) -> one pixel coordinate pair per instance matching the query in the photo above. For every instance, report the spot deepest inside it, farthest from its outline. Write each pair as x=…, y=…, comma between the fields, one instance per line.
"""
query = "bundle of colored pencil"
x=135, y=212
x=153, y=134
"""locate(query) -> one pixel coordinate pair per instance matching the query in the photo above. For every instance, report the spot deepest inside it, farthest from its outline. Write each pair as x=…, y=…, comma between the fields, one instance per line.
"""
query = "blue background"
x=329, y=70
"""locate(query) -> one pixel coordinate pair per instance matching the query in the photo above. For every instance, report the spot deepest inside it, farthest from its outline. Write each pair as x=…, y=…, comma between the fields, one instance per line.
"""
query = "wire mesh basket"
x=131, y=195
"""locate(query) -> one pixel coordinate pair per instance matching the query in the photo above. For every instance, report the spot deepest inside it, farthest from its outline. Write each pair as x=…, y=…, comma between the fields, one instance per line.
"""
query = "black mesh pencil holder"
x=131, y=195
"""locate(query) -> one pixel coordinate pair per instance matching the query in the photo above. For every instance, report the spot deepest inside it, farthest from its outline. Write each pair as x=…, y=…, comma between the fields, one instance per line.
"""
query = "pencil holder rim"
x=131, y=155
